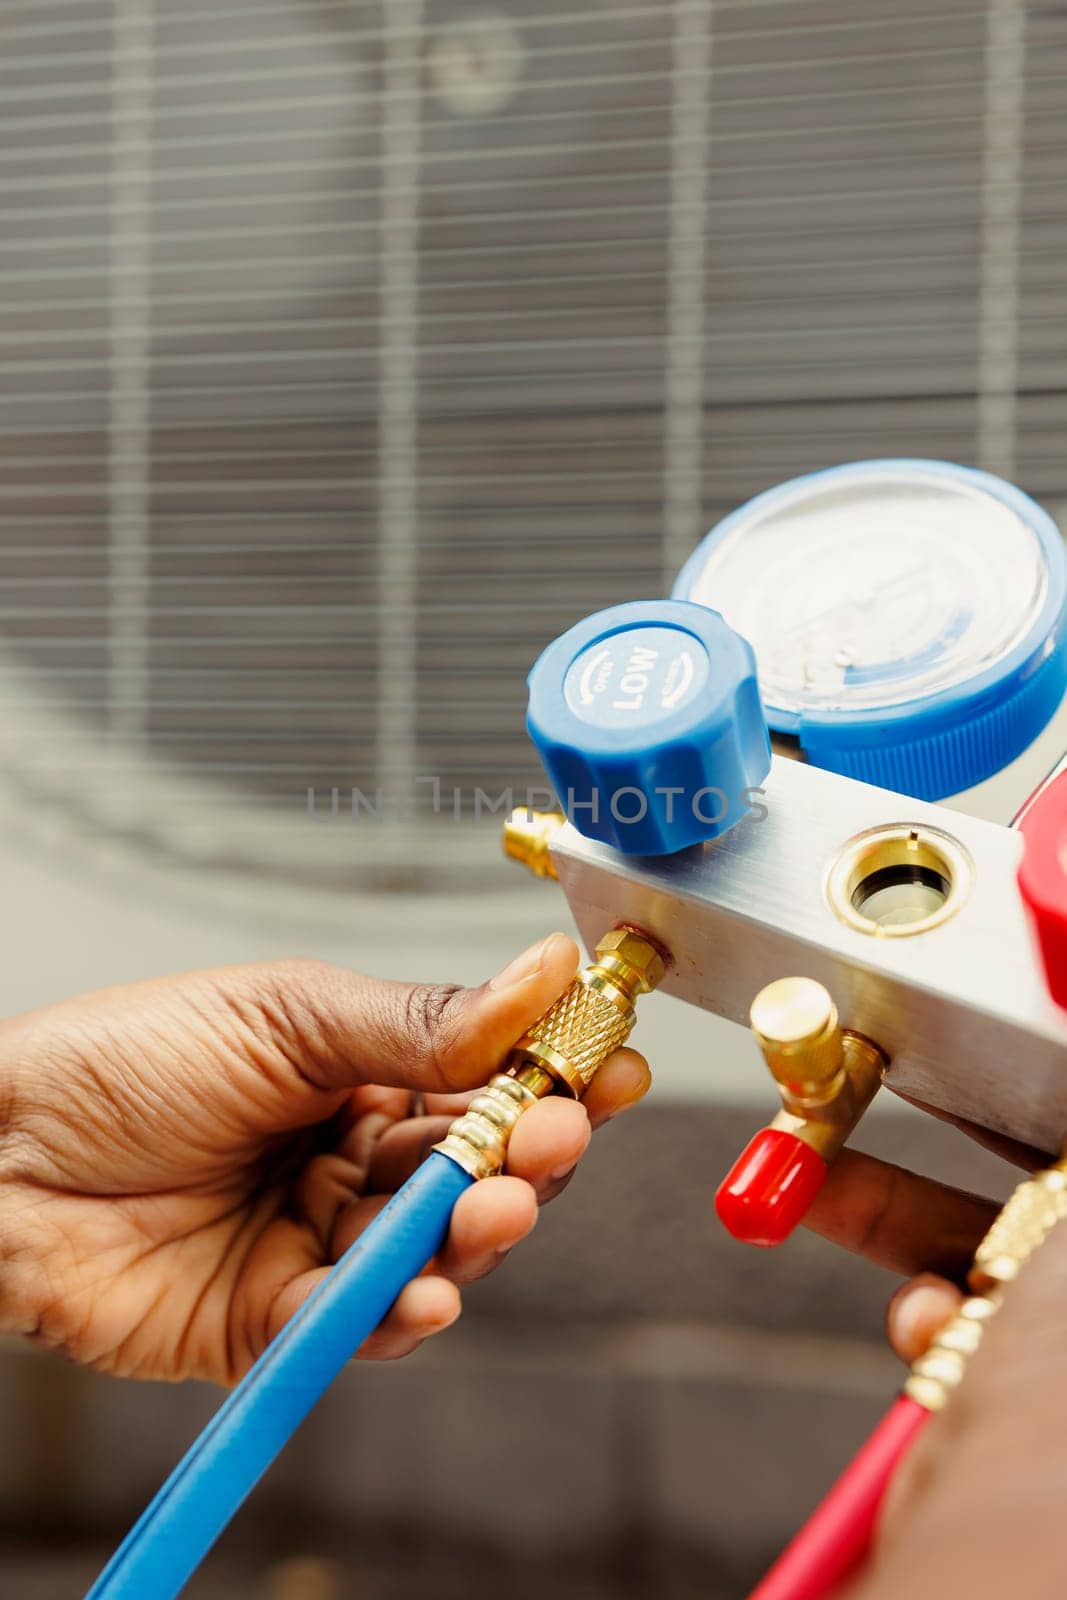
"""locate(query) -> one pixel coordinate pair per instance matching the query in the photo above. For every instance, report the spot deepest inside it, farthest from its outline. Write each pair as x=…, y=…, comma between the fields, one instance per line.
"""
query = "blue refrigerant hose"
x=175, y=1533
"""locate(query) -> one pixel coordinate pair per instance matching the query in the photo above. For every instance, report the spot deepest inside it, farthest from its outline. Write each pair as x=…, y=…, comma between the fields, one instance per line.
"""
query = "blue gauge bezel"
x=1005, y=705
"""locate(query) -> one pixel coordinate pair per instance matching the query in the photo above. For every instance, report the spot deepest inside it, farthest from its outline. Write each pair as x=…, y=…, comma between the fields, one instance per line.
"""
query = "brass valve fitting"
x=826, y=1075
x=1024, y=1222
x=563, y=1051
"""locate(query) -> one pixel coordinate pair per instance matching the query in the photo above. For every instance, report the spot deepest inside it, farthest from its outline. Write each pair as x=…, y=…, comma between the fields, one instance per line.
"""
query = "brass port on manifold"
x=528, y=837
x=899, y=880
x=826, y=1075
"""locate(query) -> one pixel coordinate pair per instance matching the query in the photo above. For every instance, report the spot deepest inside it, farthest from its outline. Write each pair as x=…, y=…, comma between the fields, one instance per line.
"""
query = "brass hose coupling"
x=563, y=1051
x=1022, y=1225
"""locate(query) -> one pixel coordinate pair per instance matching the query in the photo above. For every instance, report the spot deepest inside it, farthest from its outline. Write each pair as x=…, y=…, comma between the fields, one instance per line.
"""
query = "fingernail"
x=526, y=966
x=640, y=1084
x=905, y=1321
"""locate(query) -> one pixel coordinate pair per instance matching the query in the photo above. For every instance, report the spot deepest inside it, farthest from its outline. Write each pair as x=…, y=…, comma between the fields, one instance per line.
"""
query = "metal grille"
x=351, y=349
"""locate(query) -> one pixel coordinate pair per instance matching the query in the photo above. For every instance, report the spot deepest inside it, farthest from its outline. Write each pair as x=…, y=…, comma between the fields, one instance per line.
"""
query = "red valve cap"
x=1043, y=880
x=769, y=1188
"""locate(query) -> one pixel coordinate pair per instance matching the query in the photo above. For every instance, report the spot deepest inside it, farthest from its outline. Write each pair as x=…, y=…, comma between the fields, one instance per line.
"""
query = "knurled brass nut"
x=795, y=1022
x=635, y=952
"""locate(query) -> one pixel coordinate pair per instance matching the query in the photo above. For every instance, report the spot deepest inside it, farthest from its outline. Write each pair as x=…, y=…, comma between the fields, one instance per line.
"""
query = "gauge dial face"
x=866, y=591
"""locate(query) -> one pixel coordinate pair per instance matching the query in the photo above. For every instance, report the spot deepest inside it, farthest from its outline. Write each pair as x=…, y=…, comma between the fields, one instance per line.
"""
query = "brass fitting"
x=939, y=1370
x=595, y=1016
x=1023, y=1224
x=528, y=839
x=826, y=1075
x=1030, y=1212
x=563, y=1050
x=795, y=1022
x=478, y=1140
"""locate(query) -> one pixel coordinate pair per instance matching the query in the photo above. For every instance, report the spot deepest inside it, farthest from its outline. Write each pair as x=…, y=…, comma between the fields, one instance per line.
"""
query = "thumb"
x=342, y=1029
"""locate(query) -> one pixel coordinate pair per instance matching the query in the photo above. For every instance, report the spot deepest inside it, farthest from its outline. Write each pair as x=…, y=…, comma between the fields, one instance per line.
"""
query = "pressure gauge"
x=909, y=618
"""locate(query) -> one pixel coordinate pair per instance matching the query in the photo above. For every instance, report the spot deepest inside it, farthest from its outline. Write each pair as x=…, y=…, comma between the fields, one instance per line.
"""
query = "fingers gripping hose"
x=563, y=1051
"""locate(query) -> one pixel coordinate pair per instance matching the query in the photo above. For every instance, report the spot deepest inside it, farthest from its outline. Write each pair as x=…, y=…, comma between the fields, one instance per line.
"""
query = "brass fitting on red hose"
x=826, y=1076
x=1023, y=1224
x=564, y=1049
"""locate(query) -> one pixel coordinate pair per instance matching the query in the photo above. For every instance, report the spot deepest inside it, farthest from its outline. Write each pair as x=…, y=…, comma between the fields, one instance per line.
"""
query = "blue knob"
x=647, y=717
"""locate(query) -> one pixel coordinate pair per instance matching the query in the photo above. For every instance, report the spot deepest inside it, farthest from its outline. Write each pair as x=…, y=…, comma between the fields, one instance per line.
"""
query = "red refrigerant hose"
x=835, y=1540
x=836, y=1537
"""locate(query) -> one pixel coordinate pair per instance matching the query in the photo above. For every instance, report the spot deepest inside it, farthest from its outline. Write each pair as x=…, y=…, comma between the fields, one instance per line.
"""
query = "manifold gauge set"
x=749, y=776
x=895, y=632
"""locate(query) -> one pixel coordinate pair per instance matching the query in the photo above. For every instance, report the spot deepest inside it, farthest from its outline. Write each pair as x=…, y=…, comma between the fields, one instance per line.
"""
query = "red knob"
x=769, y=1188
x=1043, y=880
